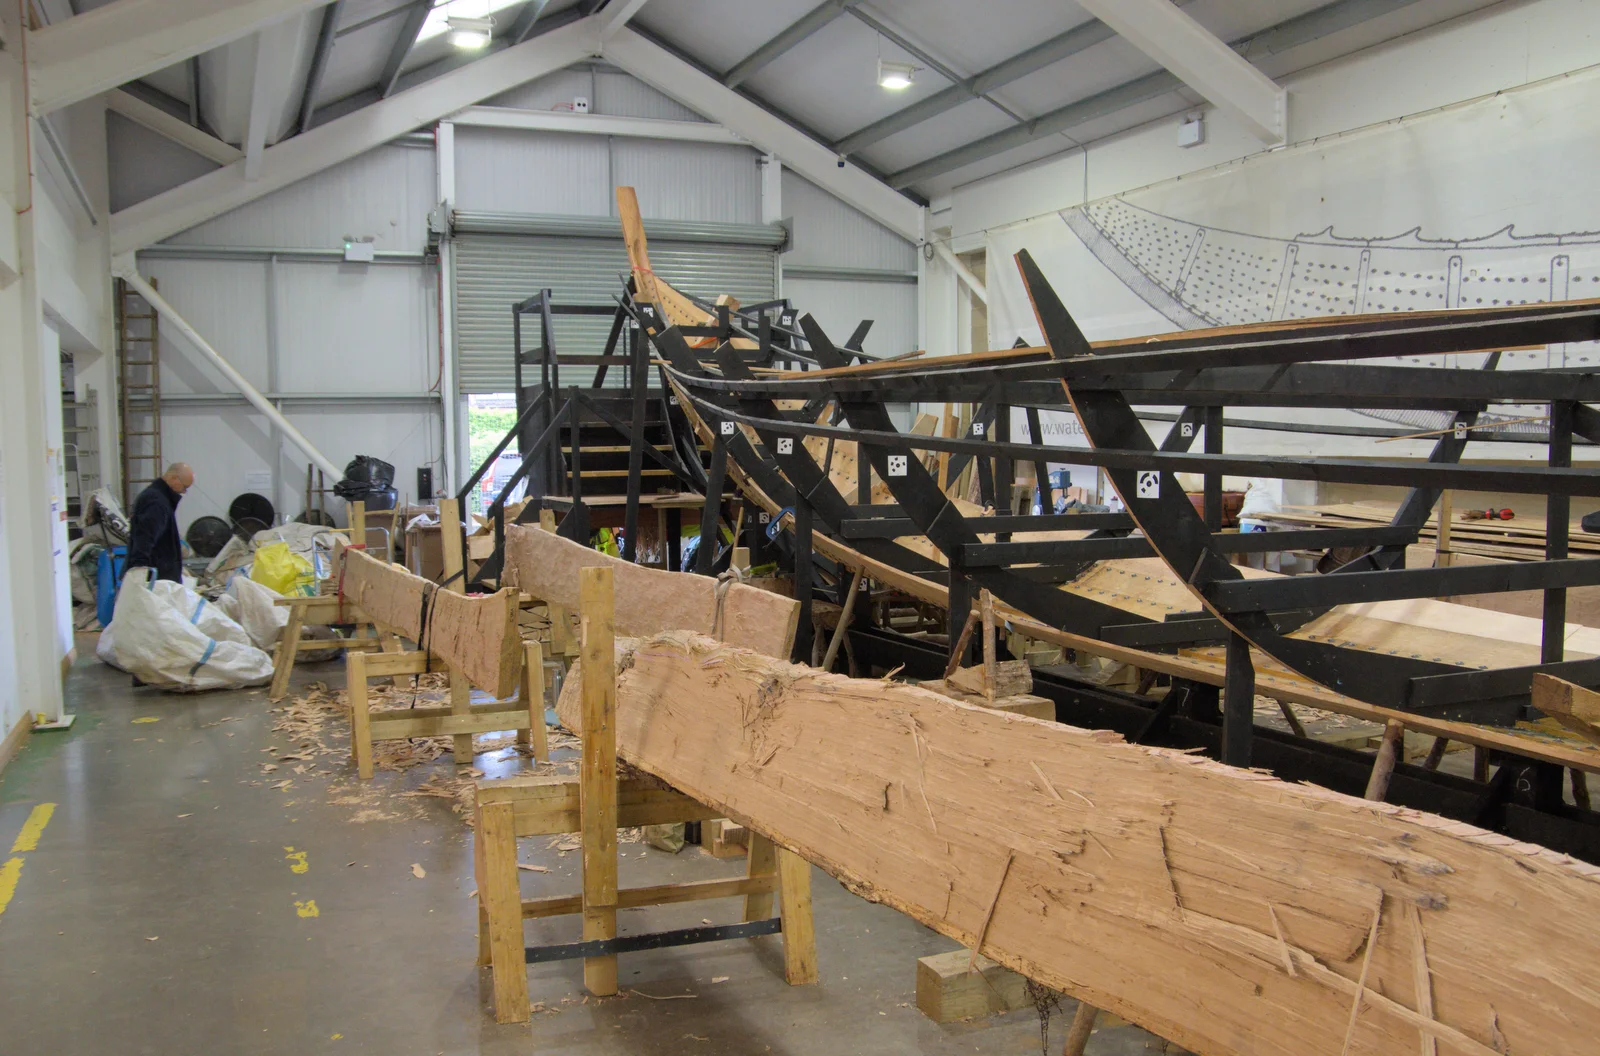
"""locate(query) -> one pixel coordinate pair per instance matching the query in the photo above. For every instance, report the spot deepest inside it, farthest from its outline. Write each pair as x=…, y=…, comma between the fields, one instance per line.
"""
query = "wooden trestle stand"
x=461, y=718
x=595, y=805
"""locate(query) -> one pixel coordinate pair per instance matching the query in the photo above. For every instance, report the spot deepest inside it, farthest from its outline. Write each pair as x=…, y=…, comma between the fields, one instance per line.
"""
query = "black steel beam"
x=655, y=940
x=1523, y=480
x=1060, y=550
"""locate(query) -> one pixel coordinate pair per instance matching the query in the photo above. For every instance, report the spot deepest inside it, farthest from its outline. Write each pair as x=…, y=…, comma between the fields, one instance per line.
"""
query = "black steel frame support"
x=1238, y=703
x=1557, y=521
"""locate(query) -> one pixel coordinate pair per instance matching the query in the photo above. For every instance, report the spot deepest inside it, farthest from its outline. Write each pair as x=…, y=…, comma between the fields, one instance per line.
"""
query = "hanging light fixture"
x=896, y=76
x=470, y=34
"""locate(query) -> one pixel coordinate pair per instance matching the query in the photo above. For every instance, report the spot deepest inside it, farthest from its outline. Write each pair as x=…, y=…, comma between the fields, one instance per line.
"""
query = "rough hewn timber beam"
x=1222, y=909
x=476, y=635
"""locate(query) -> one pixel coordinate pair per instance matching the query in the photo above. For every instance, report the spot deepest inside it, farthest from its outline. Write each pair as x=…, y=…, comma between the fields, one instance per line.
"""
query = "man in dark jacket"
x=153, y=540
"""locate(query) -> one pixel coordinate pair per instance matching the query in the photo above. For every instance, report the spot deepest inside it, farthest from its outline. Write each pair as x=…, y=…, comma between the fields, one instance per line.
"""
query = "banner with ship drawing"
x=1486, y=203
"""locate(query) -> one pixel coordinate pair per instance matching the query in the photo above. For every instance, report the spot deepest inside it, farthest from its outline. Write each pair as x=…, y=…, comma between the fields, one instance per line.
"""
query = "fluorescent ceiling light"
x=438, y=21
x=470, y=34
x=896, y=76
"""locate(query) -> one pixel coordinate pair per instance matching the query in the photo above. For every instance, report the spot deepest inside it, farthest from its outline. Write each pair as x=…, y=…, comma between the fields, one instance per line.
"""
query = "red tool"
x=1490, y=514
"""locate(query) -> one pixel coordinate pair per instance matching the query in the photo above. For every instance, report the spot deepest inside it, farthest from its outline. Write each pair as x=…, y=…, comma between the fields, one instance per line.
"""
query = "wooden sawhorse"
x=457, y=719
x=595, y=805
x=549, y=805
x=316, y=611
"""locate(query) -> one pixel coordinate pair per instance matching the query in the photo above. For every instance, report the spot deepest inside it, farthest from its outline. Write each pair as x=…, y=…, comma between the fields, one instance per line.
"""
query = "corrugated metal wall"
x=510, y=171
x=385, y=193
x=839, y=306
x=297, y=327
x=828, y=234
x=493, y=272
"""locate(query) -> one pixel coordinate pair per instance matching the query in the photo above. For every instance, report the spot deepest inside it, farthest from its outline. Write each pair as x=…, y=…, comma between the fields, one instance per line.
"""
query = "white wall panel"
x=385, y=193
x=839, y=306
x=226, y=302
x=143, y=164
x=505, y=170
x=549, y=92
x=689, y=181
x=829, y=233
x=355, y=328
x=608, y=91
x=229, y=446
x=618, y=93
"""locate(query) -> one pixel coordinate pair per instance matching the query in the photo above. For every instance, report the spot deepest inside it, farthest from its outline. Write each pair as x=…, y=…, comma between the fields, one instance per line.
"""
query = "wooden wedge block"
x=1011, y=678
x=948, y=991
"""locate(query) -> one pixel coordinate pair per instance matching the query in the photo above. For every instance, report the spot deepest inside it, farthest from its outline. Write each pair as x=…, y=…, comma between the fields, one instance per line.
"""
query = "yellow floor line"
x=9, y=874
x=33, y=828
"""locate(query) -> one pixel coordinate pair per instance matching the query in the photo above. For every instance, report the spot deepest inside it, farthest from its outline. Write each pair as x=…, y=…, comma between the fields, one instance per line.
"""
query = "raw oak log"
x=1222, y=909
x=476, y=635
x=650, y=600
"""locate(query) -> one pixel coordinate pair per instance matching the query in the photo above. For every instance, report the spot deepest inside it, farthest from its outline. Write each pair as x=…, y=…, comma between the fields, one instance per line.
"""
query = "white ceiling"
x=826, y=83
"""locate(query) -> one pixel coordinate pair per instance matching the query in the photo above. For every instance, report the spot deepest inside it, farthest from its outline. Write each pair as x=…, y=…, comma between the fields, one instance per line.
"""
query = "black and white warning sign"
x=1149, y=486
x=897, y=465
x=727, y=428
x=977, y=428
x=785, y=445
x=1187, y=429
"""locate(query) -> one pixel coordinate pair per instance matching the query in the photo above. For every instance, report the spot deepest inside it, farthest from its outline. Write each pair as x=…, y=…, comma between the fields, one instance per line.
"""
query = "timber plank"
x=1220, y=908
x=649, y=600
x=477, y=635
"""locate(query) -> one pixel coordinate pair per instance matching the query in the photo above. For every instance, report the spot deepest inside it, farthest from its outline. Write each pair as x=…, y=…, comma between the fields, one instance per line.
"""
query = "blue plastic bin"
x=107, y=581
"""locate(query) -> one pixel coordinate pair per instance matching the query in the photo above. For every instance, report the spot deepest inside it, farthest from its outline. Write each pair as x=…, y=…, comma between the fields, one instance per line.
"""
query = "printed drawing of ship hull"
x=1200, y=276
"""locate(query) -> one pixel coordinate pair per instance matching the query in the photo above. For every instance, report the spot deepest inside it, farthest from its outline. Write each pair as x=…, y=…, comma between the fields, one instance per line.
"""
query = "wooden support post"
x=288, y=647
x=1238, y=702
x=1394, y=739
x=1291, y=718
x=1436, y=753
x=1441, y=540
x=847, y=606
x=799, y=933
x=1480, y=763
x=761, y=859
x=990, y=663
x=358, y=523
x=598, y=774
x=1580, y=789
x=500, y=895
x=1082, y=1026
x=533, y=684
x=454, y=577
x=958, y=648
x=355, y=681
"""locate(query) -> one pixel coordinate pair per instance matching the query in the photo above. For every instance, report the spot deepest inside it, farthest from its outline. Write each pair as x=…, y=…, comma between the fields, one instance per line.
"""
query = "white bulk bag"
x=168, y=636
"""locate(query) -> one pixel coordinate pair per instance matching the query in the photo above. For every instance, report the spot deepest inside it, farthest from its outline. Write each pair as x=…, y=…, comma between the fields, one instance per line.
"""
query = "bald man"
x=153, y=540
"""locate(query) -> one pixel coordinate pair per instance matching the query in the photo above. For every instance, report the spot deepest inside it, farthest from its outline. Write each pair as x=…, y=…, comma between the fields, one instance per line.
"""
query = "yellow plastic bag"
x=283, y=570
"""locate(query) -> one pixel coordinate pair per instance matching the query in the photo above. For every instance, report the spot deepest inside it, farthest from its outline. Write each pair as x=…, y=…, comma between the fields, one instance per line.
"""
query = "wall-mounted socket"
x=580, y=104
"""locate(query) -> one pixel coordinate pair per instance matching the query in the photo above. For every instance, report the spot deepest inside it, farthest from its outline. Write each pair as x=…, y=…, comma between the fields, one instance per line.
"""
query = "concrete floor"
x=162, y=913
